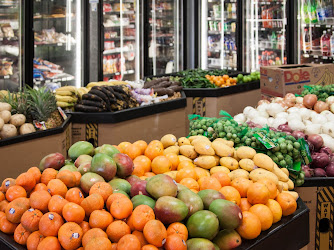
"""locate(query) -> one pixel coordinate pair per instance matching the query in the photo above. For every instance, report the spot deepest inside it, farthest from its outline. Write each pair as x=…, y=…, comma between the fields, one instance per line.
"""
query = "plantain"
x=67, y=88
x=64, y=104
x=64, y=93
x=92, y=97
x=68, y=99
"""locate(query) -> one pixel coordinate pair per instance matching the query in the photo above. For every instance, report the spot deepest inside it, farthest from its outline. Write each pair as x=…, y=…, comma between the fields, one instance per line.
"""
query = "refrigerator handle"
x=28, y=43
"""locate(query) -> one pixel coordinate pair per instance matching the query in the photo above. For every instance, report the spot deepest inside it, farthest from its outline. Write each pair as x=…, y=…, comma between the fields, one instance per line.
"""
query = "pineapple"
x=43, y=107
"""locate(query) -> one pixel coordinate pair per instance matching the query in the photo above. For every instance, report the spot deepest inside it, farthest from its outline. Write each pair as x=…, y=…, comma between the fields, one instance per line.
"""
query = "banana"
x=67, y=88
x=64, y=104
x=64, y=93
x=82, y=91
x=68, y=99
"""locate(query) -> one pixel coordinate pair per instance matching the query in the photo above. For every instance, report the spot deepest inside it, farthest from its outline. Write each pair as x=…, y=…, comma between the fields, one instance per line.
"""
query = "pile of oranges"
x=222, y=81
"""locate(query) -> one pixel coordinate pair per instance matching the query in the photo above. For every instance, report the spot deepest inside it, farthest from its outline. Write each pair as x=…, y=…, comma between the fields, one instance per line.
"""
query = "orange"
x=141, y=215
x=50, y=223
x=201, y=172
x=133, y=151
x=276, y=210
x=56, y=204
x=113, y=197
x=142, y=164
x=242, y=185
x=287, y=203
x=117, y=229
x=258, y=193
x=155, y=233
x=231, y=194
x=49, y=242
x=102, y=188
x=21, y=234
x=190, y=183
x=36, y=173
x=142, y=145
x=92, y=202
x=161, y=164
x=244, y=204
x=84, y=226
x=15, y=192
x=34, y=239
x=129, y=241
x=67, y=177
x=223, y=178
x=175, y=242
x=149, y=247
x=100, y=219
x=186, y=173
x=271, y=187
x=184, y=164
x=73, y=212
x=74, y=195
x=265, y=215
x=250, y=227
x=140, y=237
x=30, y=219
x=154, y=150
x=174, y=160
x=56, y=186
x=179, y=229
x=209, y=183
x=149, y=174
x=121, y=208
x=70, y=235
x=26, y=180
x=100, y=243
x=40, y=200
x=91, y=234
x=123, y=145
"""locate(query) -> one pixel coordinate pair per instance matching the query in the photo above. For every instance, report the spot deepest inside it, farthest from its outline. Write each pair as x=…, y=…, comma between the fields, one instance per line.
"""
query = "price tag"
x=315, y=56
x=305, y=151
x=62, y=113
x=6, y=77
x=325, y=57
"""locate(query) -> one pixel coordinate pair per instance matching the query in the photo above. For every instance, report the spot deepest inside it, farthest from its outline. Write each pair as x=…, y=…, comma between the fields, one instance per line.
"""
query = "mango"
x=80, y=148
x=116, y=191
x=208, y=196
x=203, y=224
x=161, y=185
x=84, y=168
x=200, y=244
x=227, y=239
x=139, y=188
x=104, y=165
x=107, y=149
x=142, y=200
x=71, y=168
x=120, y=184
x=88, y=180
x=55, y=160
x=169, y=210
x=124, y=165
x=192, y=200
x=228, y=213
x=82, y=159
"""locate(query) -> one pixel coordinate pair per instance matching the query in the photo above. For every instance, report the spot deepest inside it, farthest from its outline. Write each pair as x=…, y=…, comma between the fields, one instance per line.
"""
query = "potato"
x=229, y=162
x=293, y=194
x=188, y=151
x=1, y=123
x=246, y=152
x=204, y=148
x=17, y=120
x=168, y=140
x=183, y=158
x=286, y=171
x=280, y=174
x=238, y=173
x=8, y=130
x=219, y=169
x=260, y=173
x=247, y=164
x=291, y=185
x=264, y=161
x=205, y=161
x=284, y=185
x=172, y=149
x=27, y=128
x=5, y=106
x=183, y=141
x=5, y=116
x=222, y=149
x=226, y=142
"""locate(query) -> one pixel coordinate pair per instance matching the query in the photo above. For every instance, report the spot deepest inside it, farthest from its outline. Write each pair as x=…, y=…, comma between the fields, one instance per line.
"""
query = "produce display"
x=27, y=111
x=302, y=117
x=171, y=194
x=322, y=92
x=198, y=78
x=168, y=85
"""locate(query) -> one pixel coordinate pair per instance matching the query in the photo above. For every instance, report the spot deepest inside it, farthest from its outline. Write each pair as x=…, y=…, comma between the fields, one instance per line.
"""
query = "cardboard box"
x=320, y=201
x=280, y=80
x=17, y=158
x=147, y=128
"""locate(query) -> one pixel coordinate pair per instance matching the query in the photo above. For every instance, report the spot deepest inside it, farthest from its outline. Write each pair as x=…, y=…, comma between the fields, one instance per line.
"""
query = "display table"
x=318, y=195
x=20, y=153
x=147, y=123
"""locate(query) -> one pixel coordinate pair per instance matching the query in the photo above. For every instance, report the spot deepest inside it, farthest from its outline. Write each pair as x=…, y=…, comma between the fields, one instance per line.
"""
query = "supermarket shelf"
x=117, y=1
x=219, y=19
x=128, y=72
x=56, y=80
x=323, y=25
x=2, y=6
x=42, y=18
x=129, y=26
x=50, y=45
x=318, y=57
x=127, y=12
x=119, y=38
x=275, y=50
x=269, y=2
x=214, y=32
x=5, y=77
x=218, y=1
x=224, y=51
x=272, y=29
x=116, y=51
x=9, y=39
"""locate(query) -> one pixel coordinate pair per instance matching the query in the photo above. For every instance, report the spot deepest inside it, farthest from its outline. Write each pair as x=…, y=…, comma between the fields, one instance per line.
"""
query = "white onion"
x=328, y=128
x=293, y=110
x=282, y=115
x=318, y=119
x=299, y=100
x=240, y=118
x=247, y=110
x=312, y=129
x=274, y=108
x=278, y=121
x=296, y=125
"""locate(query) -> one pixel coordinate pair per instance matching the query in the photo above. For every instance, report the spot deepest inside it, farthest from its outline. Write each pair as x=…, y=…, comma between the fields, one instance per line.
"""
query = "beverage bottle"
x=313, y=8
x=264, y=16
x=273, y=40
x=264, y=58
x=332, y=44
x=234, y=11
x=229, y=10
x=325, y=44
x=270, y=17
x=305, y=13
x=307, y=41
x=328, y=6
x=320, y=11
x=278, y=61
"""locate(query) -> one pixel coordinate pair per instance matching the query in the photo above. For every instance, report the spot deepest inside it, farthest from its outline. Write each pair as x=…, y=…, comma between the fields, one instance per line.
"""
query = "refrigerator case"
x=121, y=40
x=315, y=31
x=11, y=44
x=58, y=42
x=164, y=37
x=219, y=39
x=265, y=34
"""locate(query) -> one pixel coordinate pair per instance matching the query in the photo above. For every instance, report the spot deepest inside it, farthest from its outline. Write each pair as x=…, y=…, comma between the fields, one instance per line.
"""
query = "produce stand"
x=318, y=195
x=290, y=233
x=21, y=152
x=142, y=123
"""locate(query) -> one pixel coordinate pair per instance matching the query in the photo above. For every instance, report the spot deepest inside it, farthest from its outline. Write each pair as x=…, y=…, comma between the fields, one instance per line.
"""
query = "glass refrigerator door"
x=164, y=37
x=11, y=44
x=121, y=40
x=218, y=31
x=265, y=29
x=315, y=31
x=58, y=42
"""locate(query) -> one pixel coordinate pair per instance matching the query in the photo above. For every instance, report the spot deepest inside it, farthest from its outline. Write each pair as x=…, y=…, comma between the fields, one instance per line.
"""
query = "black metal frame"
x=28, y=43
